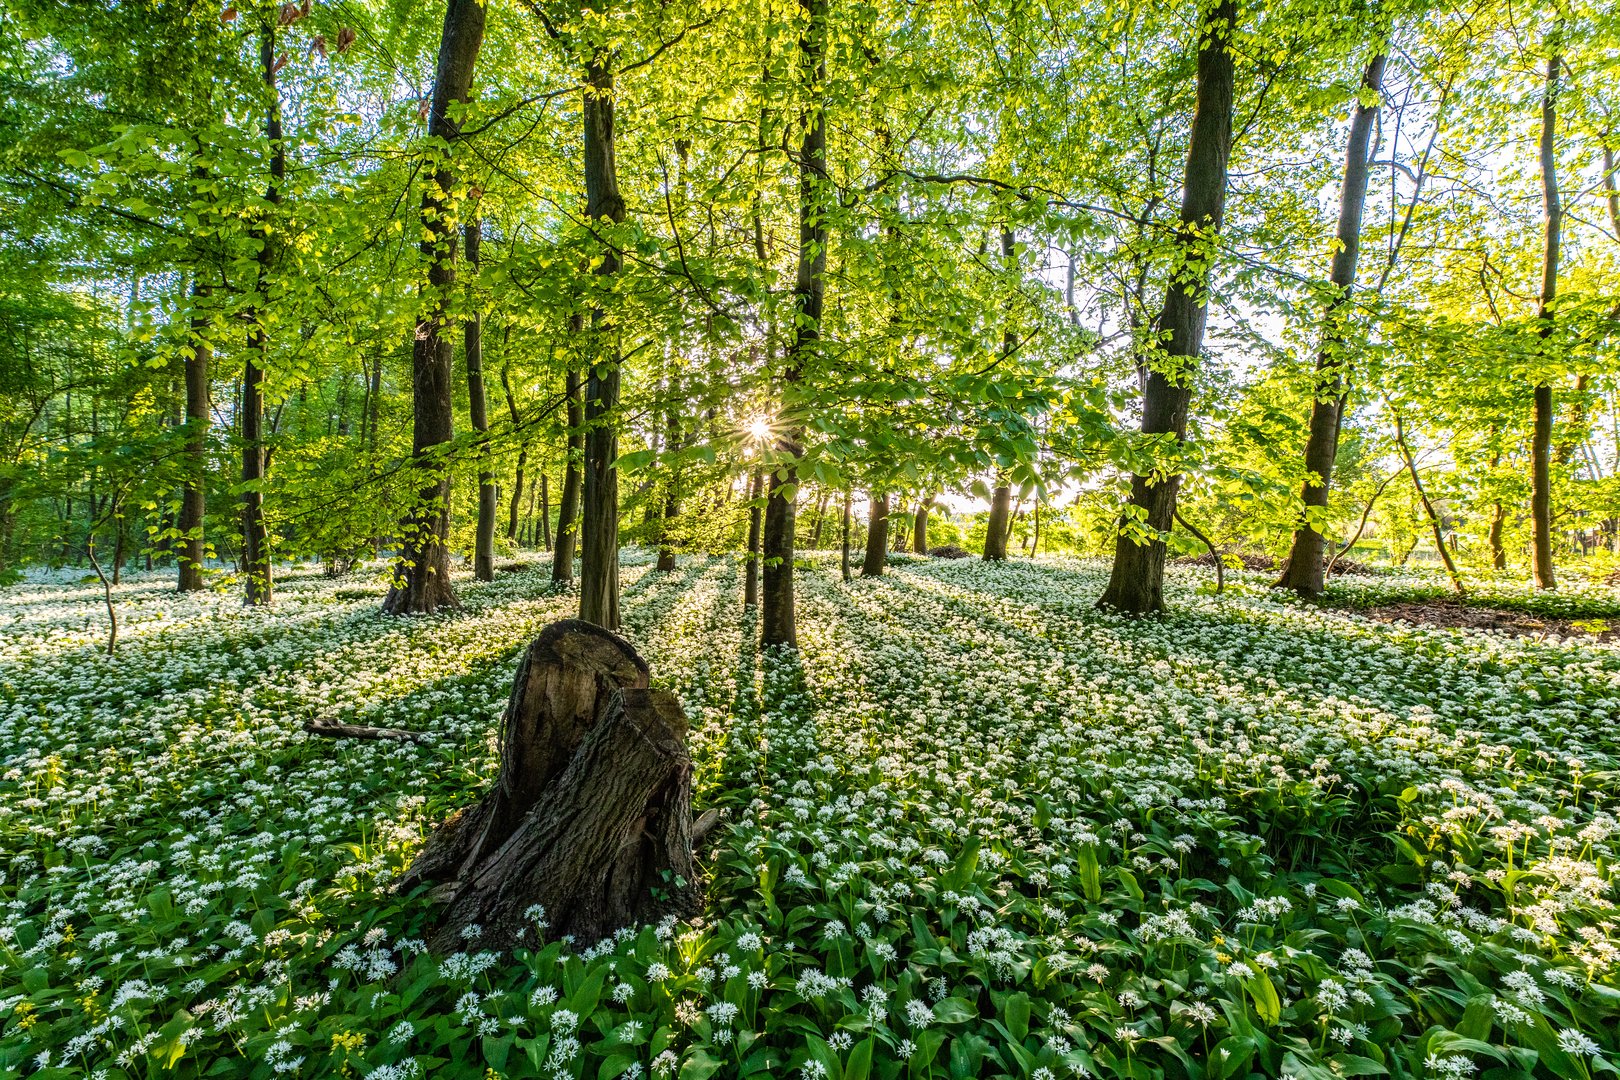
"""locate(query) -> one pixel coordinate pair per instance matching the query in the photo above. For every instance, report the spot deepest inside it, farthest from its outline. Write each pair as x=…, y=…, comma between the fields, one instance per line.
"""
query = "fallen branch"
x=332, y=729
x=704, y=824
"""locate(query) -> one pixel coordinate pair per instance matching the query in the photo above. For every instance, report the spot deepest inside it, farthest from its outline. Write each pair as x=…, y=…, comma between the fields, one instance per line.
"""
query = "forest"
x=832, y=539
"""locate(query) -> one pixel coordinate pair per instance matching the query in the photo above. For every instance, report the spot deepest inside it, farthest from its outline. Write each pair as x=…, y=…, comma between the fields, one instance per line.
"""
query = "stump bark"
x=590, y=815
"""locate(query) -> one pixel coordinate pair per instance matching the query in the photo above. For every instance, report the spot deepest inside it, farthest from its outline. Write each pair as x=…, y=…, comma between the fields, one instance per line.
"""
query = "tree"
x=604, y=208
x=1552, y=235
x=1303, y=570
x=777, y=626
x=422, y=578
x=255, y=538
x=877, y=535
x=1136, y=582
x=478, y=407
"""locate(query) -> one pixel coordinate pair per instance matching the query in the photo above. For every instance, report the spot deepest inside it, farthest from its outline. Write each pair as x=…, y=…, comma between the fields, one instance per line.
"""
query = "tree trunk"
x=255, y=540
x=1136, y=583
x=545, y=512
x=999, y=526
x=1498, y=552
x=562, y=563
x=821, y=519
x=1302, y=571
x=672, y=501
x=843, y=565
x=515, y=504
x=777, y=626
x=590, y=815
x=1541, y=438
x=1000, y=523
x=478, y=408
x=751, y=573
x=604, y=207
x=192, y=549
x=877, y=536
x=919, y=526
x=374, y=402
x=422, y=578
x=1428, y=509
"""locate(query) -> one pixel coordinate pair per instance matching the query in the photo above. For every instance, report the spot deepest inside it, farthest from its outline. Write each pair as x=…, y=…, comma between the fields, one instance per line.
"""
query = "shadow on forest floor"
x=1454, y=614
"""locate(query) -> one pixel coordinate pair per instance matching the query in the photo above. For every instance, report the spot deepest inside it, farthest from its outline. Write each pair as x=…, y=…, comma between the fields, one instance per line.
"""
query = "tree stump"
x=591, y=814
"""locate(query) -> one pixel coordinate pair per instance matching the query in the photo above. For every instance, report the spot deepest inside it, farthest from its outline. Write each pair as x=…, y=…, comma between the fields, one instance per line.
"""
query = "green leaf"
x=860, y=1060
x=953, y=1010
x=961, y=872
x=1015, y=1014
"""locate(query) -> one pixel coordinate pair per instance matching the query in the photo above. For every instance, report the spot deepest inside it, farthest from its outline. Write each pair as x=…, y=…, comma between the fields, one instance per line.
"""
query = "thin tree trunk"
x=1302, y=571
x=672, y=502
x=1361, y=526
x=1428, y=508
x=877, y=536
x=1498, y=551
x=1000, y=524
x=106, y=591
x=516, y=502
x=374, y=402
x=255, y=540
x=422, y=578
x=919, y=526
x=1541, y=438
x=821, y=519
x=1136, y=583
x=843, y=563
x=1220, y=566
x=193, y=499
x=777, y=625
x=545, y=512
x=755, y=512
x=478, y=408
x=562, y=563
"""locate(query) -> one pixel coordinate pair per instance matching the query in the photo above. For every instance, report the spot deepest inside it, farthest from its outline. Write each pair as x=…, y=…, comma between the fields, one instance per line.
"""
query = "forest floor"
x=975, y=829
x=1453, y=613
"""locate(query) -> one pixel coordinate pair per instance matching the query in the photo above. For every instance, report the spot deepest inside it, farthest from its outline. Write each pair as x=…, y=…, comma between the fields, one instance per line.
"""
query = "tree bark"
x=590, y=815
x=672, y=501
x=1302, y=571
x=422, y=578
x=777, y=624
x=255, y=539
x=821, y=519
x=1136, y=583
x=1541, y=437
x=192, y=549
x=843, y=564
x=919, y=526
x=562, y=562
x=1428, y=509
x=516, y=503
x=751, y=573
x=545, y=512
x=478, y=409
x=1000, y=523
x=877, y=536
x=604, y=207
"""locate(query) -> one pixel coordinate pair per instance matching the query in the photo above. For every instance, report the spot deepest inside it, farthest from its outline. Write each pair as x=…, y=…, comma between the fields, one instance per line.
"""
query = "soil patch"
x=1449, y=613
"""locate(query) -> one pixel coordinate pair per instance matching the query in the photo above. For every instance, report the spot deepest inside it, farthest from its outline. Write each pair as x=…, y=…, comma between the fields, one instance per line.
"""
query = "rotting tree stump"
x=590, y=816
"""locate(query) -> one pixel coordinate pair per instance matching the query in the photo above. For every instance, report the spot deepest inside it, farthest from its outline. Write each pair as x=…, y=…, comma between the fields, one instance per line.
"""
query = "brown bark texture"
x=590, y=816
